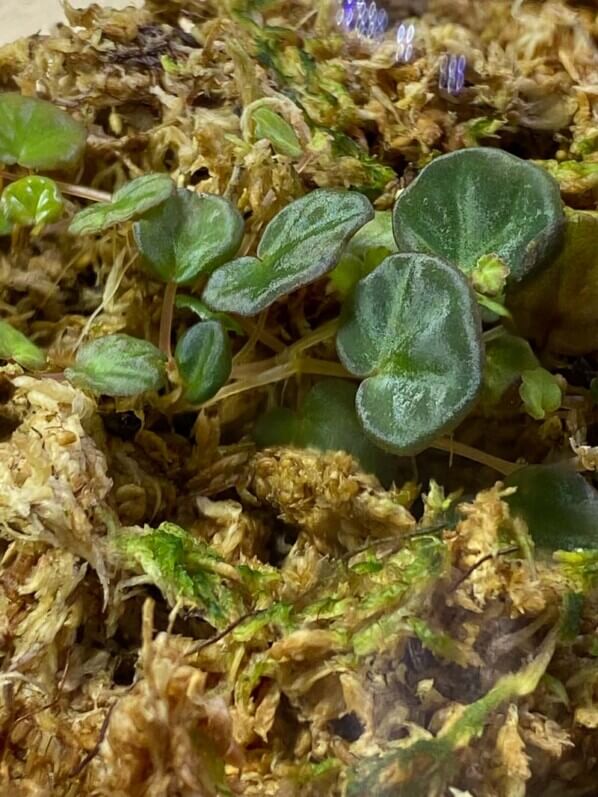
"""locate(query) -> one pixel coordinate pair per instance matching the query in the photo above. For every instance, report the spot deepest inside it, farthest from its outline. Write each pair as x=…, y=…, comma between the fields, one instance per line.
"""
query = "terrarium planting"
x=298, y=401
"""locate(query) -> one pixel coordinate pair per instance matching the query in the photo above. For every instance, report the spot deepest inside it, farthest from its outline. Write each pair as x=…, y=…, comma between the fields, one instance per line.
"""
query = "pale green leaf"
x=38, y=135
x=270, y=125
x=32, y=201
x=118, y=365
x=540, y=393
x=15, y=346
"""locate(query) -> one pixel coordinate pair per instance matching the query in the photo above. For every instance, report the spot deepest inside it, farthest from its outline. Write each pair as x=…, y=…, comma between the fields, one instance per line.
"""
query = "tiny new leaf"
x=187, y=235
x=204, y=358
x=327, y=421
x=129, y=202
x=32, y=202
x=366, y=250
x=559, y=506
x=38, y=135
x=118, y=365
x=300, y=244
x=270, y=125
x=413, y=333
x=481, y=201
x=540, y=392
x=510, y=358
x=15, y=346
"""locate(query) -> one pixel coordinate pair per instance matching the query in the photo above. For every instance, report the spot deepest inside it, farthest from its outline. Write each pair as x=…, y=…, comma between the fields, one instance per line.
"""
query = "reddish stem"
x=166, y=320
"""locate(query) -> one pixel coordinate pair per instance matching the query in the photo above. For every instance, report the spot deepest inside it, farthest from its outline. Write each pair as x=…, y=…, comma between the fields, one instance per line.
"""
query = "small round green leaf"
x=478, y=202
x=32, y=201
x=118, y=365
x=507, y=357
x=278, y=131
x=413, y=332
x=204, y=359
x=188, y=235
x=540, y=392
x=559, y=506
x=326, y=421
x=38, y=135
x=300, y=244
x=15, y=346
x=129, y=202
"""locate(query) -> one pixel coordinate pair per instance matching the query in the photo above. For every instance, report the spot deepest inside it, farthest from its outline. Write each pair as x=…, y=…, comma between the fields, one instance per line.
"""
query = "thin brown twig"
x=76, y=771
x=502, y=466
x=206, y=643
x=480, y=562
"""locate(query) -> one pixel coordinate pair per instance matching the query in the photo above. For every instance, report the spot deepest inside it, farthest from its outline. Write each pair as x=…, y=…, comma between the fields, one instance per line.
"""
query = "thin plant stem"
x=502, y=466
x=166, y=320
x=289, y=353
x=278, y=374
x=80, y=191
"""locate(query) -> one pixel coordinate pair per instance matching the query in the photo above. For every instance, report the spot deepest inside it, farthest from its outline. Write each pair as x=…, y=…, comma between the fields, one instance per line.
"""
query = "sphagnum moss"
x=258, y=244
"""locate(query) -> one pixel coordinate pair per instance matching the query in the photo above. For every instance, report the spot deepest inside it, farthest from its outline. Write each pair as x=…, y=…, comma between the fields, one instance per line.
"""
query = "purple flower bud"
x=381, y=21
x=405, y=37
x=452, y=73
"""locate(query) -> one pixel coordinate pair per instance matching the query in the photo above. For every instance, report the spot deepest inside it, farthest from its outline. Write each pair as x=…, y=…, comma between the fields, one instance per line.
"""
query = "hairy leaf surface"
x=129, y=202
x=188, y=235
x=413, y=334
x=477, y=202
x=300, y=244
x=118, y=365
x=204, y=358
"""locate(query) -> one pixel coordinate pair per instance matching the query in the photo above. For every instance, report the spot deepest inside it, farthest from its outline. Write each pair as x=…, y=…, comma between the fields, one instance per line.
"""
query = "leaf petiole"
x=165, y=339
x=80, y=191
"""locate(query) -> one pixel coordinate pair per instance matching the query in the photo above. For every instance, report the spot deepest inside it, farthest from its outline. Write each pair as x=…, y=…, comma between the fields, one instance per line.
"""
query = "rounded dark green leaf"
x=413, y=332
x=478, y=202
x=270, y=125
x=15, y=346
x=188, y=235
x=38, y=135
x=32, y=201
x=118, y=365
x=129, y=202
x=559, y=506
x=300, y=244
x=327, y=421
x=204, y=359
